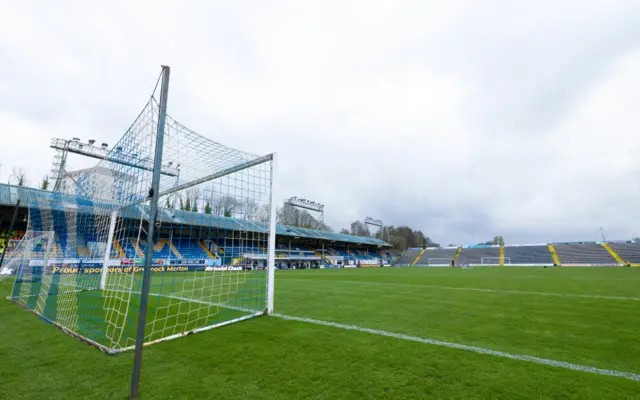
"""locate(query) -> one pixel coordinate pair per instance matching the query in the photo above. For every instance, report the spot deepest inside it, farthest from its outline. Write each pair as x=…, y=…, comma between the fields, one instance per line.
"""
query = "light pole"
x=307, y=205
x=378, y=223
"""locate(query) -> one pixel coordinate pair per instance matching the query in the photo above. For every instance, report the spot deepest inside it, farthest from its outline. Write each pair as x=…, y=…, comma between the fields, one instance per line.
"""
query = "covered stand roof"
x=10, y=194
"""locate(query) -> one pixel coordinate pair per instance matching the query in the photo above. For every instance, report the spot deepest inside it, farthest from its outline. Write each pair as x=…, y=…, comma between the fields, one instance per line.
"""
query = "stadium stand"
x=437, y=256
x=200, y=236
x=8, y=239
x=475, y=255
x=295, y=247
x=527, y=254
x=366, y=256
x=629, y=252
x=583, y=254
x=188, y=248
x=408, y=256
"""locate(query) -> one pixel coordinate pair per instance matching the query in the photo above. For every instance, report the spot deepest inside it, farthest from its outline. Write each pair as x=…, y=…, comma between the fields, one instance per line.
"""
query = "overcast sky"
x=466, y=119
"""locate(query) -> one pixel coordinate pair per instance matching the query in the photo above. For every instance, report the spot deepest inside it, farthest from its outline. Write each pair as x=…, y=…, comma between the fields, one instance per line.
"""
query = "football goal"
x=494, y=260
x=439, y=261
x=169, y=228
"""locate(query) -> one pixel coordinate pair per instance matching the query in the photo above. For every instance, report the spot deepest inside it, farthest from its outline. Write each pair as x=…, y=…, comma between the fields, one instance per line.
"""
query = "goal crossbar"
x=494, y=260
x=439, y=261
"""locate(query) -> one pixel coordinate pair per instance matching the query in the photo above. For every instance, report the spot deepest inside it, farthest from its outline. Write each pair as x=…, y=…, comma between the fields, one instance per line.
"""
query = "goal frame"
x=269, y=306
x=101, y=310
x=36, y=266
x=446, y=261
x=498, y=261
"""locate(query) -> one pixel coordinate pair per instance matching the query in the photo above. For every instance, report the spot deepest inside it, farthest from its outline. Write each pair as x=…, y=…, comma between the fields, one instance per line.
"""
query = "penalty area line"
x=474, y=349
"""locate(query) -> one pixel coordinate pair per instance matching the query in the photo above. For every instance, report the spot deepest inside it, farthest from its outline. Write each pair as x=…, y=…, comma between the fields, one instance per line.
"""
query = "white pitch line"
x=474, y=349
x=583, y=296
x=574, y=278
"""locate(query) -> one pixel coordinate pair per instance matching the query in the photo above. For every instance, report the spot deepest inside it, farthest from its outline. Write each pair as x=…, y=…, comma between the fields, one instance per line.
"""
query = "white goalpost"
x=495, y=261
x=150, y=244
x=439, y=261
x=107, y=252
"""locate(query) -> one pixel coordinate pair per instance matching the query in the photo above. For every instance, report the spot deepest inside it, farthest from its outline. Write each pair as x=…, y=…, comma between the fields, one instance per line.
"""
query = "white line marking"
x=583, y=296
x=576, y=278
x=479, y=350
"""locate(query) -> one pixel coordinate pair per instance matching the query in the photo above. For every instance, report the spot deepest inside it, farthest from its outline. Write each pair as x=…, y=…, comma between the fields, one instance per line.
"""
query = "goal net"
x=20, y=252
x=493, y=260
x=81, y=262
x=9, y=248
x=439, y=261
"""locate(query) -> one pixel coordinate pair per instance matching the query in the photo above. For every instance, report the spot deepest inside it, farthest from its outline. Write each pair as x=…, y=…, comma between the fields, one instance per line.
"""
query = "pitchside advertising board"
x=94, y=266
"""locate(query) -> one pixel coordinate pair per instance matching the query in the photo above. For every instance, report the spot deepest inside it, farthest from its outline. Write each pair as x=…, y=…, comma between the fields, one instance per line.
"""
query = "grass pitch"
x=584, y=316
x=178, y=302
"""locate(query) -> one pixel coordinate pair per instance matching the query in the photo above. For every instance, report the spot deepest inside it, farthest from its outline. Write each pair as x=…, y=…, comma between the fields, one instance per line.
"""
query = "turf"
x=178, y=302
x=271, y=358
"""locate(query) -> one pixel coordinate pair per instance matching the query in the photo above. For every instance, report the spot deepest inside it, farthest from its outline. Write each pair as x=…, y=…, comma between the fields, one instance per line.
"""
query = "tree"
x=44, y=185
x=225, y=205
x=403, y=237
x=420, y=239
x=497, y=240
x=19, y=176
x=193, y=197
x=170, y=203
x=359, y=228
x=264, y=213
x=344, y=231
x=293, y=216
x=398, y=242
x=181, y=203
x=207, y=207
x=249, y=209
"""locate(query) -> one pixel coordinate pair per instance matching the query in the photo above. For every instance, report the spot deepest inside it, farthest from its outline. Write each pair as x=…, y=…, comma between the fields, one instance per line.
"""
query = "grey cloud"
x=532, y=65
x=462, y=120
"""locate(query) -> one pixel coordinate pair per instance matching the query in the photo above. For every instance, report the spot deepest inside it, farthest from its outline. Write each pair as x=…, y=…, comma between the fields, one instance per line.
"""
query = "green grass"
x=178, y=302
x=271, y=358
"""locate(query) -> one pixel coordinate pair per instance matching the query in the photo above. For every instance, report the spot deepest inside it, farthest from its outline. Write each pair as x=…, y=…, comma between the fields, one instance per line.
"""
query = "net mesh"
x=439, y=261
x=9, y=269
x=490, y=260
x=80, y=264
